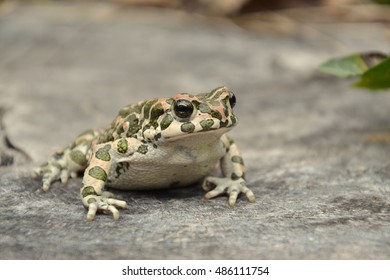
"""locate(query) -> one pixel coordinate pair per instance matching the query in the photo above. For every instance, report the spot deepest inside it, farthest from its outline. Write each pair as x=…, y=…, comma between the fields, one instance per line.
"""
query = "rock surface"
x=316, y=149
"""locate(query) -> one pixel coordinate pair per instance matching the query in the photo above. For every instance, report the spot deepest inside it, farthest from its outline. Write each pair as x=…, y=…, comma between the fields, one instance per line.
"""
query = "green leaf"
x=351, y=65
x=377, y=77
x=346, y=66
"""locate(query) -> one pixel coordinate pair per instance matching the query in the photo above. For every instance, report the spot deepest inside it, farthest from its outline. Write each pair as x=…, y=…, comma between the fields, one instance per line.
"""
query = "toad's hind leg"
x=68, y=161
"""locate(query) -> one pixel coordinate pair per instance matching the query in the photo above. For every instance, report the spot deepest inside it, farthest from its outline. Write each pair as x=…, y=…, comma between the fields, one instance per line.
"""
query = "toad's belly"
x=133, y=176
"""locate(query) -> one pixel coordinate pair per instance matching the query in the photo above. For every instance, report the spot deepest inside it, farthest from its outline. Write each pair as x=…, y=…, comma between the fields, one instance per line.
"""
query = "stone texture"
x=316, y=149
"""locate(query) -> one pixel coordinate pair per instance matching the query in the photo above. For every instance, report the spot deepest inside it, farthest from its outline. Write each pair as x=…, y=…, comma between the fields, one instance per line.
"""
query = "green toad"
x=158, y=143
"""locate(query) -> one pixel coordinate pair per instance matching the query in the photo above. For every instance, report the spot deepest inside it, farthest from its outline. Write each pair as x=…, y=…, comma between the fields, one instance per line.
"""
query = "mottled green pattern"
x=98, y=173
x=155, y=143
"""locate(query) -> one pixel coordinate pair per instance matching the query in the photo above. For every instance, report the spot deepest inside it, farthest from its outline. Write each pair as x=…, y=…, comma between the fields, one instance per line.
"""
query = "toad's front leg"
x=233, y=170
x=95, y=177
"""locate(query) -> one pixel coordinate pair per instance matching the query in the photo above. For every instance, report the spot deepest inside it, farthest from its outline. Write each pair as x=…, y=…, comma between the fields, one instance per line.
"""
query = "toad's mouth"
x=198, y=136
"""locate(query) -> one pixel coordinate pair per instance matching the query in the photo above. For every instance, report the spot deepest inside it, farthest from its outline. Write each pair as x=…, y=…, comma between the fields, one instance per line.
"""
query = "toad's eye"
x=183, y=108
x=232, y=99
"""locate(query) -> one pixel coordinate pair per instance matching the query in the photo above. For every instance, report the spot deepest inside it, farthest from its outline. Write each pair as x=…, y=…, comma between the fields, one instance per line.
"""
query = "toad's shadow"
x=182, y=193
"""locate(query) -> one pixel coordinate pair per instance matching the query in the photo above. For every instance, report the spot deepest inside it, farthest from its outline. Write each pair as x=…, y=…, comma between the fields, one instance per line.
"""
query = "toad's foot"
x=52, y=171
x=216, y=186
x=104, y=203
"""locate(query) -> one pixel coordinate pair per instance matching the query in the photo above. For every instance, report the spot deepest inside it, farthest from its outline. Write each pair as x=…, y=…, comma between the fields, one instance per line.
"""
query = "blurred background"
x=226, y=8
x=255, y=15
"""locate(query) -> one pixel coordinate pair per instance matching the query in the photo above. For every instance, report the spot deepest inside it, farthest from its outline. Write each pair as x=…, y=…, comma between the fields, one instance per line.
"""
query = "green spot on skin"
x=91, y=200
x=143, y=149
x=156, y=111
x=204, y=108
x=216, y=114
x=89, y=190
x=122, y=146
x=98, y=173
x=134, y=125
x=207, y=124
x=235, y=176
x=166, y=121
x=187, y=127
x=78, y=157
x=103, y=153
x=237, y=159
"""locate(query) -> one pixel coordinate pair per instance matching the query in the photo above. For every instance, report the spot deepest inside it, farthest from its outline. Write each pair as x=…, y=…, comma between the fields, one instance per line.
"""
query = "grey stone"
x=315, y=149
